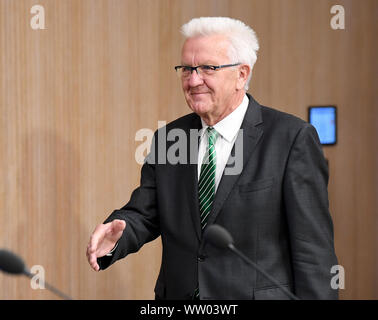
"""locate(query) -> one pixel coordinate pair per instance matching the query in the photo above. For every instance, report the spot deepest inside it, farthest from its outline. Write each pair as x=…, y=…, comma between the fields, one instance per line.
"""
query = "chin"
x=200, y=106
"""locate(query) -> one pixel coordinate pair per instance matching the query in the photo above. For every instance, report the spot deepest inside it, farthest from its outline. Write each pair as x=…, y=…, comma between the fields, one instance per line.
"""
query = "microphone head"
x=218, y=236
x=11, y=263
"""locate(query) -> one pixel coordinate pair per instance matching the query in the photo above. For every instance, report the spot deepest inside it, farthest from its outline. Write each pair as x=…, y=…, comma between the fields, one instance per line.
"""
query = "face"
x=212, y=97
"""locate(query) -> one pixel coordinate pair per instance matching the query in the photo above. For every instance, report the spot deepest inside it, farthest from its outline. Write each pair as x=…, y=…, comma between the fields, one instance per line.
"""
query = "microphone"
x=13, y=264
x=221, y=238
x=10, y=263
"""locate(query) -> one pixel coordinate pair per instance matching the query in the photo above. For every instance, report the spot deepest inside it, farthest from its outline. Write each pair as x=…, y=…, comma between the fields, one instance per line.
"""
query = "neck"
x=212, y=119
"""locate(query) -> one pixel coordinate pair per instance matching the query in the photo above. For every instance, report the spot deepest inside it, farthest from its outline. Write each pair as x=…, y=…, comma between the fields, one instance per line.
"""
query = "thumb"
x=118, y=225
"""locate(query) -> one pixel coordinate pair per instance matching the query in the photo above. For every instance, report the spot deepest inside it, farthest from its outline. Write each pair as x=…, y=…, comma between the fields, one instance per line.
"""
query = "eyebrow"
x=207, y=63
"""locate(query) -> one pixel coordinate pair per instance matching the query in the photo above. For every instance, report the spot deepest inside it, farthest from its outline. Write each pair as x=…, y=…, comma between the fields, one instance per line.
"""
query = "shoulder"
x=279, y=118
x=284, y=126
x=295, y=130
x=271, y=118
x=187, y=122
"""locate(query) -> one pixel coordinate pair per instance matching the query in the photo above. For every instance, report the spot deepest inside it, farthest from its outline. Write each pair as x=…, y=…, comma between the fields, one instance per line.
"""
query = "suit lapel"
x=251, y=135
x=190, y=175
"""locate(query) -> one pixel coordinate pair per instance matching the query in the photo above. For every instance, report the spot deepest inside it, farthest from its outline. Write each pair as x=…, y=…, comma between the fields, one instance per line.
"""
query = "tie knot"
x=213, y=135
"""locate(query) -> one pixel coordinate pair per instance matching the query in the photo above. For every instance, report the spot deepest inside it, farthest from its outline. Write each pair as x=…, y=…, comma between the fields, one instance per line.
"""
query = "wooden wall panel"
x=73, y=96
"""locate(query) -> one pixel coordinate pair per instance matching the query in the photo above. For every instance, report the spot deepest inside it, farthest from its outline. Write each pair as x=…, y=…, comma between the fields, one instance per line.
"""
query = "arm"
x=128, y=229
x=309, y=221
x=140, y=215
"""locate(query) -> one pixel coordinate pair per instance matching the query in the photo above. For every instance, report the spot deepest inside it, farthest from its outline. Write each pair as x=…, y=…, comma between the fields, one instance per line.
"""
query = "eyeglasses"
x=202, y=71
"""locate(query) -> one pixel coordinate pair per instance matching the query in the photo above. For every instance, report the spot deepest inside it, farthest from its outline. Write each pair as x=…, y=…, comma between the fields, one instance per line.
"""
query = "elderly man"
x=276, y=206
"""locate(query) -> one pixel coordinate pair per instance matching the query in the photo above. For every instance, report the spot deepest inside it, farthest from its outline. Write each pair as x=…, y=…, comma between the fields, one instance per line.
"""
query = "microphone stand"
x=49, y=286
x=13, y=264
x=254, y=265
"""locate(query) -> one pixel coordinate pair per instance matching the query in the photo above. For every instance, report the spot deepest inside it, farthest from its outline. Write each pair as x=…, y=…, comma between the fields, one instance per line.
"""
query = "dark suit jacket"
x=276, y=209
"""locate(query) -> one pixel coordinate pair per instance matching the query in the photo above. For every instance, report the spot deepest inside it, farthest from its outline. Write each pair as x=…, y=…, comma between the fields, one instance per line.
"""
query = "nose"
x=194, y=79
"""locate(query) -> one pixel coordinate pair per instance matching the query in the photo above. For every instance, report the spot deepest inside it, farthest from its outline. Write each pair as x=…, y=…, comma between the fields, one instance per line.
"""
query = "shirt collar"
x=230, y=125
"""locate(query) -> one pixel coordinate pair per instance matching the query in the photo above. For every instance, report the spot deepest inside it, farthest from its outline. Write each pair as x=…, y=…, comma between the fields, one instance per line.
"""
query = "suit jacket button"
x=201, y=258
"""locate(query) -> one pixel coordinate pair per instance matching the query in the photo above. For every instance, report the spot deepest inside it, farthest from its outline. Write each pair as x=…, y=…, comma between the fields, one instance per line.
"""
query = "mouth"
x=197, y=93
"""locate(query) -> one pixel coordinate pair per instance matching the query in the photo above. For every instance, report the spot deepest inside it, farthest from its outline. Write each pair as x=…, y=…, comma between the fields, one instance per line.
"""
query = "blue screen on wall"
x=324, y=120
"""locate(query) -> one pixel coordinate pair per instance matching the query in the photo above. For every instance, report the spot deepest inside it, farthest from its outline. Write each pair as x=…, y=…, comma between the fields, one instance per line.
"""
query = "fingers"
x=97, y=235
x=94, y=240
x=92, y=258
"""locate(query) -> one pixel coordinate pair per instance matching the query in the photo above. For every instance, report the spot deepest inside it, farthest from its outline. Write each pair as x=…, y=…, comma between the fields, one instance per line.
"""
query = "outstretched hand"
x=103, y=240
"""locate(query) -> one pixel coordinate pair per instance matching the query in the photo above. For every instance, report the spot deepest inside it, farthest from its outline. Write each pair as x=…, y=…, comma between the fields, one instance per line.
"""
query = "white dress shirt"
x=228, y=129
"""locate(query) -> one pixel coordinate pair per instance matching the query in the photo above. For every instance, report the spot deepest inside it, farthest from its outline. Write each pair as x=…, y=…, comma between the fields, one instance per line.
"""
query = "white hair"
x=243, y=41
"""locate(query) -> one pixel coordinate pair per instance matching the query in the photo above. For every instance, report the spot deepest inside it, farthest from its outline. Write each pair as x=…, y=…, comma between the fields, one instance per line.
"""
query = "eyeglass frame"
x=212, y=67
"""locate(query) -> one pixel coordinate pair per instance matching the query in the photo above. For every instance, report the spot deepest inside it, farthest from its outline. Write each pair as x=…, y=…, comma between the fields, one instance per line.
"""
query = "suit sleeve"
x=140, y=214
x=309, y=221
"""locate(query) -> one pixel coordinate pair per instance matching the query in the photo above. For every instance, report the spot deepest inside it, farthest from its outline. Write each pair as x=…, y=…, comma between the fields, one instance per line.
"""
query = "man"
x=275, y=207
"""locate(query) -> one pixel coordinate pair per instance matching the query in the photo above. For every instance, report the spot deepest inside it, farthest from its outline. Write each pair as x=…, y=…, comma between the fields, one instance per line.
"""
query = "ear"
x=244, y=71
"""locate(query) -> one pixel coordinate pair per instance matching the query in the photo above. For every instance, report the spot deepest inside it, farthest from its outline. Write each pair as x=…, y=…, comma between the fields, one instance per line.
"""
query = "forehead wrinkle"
x=191, y=60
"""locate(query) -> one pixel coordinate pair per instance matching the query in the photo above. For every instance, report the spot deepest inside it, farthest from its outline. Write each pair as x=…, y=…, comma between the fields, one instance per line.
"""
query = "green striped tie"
x=206, y=184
